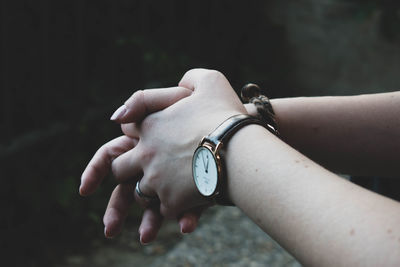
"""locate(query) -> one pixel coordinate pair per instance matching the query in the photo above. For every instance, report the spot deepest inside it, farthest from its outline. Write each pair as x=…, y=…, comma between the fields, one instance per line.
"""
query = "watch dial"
x=205, y=172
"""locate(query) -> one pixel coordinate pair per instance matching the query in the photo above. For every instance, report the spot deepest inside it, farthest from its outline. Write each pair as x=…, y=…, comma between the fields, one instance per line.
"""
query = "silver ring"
x=142, y=195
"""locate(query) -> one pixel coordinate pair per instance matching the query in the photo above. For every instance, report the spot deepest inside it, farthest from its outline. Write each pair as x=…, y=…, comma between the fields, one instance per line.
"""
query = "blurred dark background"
x=67, y=65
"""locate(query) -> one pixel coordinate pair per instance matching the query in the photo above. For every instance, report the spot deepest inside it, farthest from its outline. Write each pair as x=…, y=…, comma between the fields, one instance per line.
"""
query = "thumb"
x=144, y=102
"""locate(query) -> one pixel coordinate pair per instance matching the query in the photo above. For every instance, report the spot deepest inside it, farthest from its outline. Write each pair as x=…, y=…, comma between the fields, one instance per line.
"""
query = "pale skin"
x=319, y=217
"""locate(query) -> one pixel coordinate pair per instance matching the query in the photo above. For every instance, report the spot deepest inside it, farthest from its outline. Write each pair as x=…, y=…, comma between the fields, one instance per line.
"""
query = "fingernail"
x=141, y=241
x=80, y=191
x=105, y=233
x=183, y=230
x=119, y=113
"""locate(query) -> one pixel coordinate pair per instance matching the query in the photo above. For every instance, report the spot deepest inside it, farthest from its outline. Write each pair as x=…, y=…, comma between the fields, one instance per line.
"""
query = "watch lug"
x=202, y=140
x=218, y=146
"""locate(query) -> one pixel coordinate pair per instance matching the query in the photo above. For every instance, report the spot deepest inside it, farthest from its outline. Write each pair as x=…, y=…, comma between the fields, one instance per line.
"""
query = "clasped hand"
x=162, y=128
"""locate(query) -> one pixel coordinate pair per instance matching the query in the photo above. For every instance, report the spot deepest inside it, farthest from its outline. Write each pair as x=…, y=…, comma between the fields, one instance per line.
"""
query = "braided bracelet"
x=251, y=93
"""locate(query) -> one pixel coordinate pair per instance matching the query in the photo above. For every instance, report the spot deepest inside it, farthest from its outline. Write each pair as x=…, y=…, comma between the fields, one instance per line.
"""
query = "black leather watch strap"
x=225, y=130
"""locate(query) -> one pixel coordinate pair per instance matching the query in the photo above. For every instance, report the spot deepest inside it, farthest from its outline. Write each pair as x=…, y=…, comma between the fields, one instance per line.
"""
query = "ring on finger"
x=143, y=195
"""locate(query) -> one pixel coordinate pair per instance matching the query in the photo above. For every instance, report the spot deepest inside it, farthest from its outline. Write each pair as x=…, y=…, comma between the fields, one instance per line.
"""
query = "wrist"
x=241, y=165
x=208, y=163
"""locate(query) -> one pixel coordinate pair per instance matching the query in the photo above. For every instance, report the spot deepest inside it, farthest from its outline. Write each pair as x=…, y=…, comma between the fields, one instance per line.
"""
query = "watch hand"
x=204, y=163
x=207, y=164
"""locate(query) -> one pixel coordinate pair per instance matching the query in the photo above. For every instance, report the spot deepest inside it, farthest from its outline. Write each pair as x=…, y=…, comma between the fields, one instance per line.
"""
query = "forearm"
x=356, y=135
x=320, y=218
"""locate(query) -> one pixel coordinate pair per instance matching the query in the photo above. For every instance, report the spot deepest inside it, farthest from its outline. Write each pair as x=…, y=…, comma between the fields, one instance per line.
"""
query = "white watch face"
x=205, y=172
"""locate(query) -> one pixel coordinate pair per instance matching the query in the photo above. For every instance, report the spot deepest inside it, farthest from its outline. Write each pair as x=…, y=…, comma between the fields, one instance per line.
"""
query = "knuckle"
x=190, y=71
x=102, y=154
x=215, y=73
x=147, y=123
x=203, y=72
x=102, y=150
x=209, y=75
x=114, y=170
x=146, y=155
x=97, y=170
x=152, y=177
x=138, y=94
x=167, y=211
x=136, y=97
x=214, y=76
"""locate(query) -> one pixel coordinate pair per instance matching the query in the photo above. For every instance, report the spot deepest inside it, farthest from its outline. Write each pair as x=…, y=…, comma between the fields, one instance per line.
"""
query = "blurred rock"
x=227, y=238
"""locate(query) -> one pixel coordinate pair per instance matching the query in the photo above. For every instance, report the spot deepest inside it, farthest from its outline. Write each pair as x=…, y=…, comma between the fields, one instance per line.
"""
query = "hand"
x=123, y=195
x=167, y=139
x=189, y=219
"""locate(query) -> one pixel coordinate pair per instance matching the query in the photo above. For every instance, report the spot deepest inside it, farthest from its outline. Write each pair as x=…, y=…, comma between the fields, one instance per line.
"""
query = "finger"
x=151, y=223
x=192, y=79
x=145, y=102
x=131, y=130
x=128, y=166
x=117, y=209
x=143, y=201
x=189, y=220
x=99, y=166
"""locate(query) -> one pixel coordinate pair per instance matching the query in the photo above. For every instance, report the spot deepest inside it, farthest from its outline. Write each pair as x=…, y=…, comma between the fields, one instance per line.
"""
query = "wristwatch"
x=208, y=166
